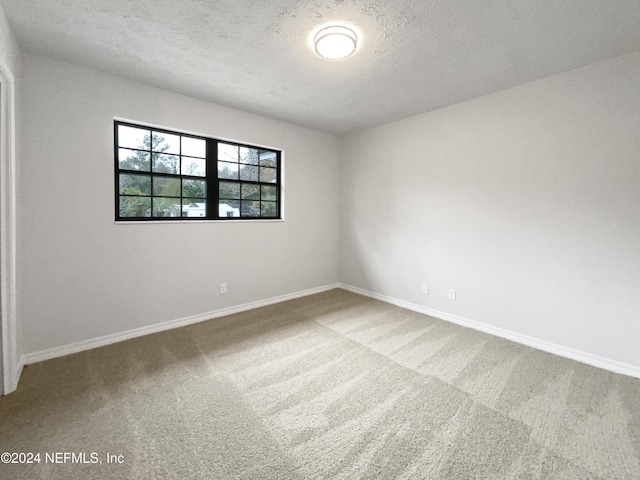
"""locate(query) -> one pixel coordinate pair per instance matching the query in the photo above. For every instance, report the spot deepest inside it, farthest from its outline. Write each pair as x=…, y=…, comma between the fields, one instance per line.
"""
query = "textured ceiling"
x=254, y=55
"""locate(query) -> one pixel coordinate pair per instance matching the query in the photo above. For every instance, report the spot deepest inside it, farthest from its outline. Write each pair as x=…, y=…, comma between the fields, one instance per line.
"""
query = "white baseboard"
x=63, y=350
x=13, y=377
x=18, y=373
x=587, y=358
x=583, y=357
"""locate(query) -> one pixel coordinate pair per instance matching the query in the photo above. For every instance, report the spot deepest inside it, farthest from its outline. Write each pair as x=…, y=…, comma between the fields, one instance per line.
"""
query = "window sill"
x=182, y=222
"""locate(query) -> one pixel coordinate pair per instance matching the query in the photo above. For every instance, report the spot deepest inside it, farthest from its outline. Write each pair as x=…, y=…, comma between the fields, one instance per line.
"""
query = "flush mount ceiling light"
x=335, y=42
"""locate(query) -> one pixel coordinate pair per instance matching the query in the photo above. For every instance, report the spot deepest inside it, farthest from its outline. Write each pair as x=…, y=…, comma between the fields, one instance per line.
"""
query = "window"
x=165, y=175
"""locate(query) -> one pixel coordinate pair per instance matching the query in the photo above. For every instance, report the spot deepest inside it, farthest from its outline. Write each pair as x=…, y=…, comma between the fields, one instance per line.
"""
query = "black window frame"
x=212, y=211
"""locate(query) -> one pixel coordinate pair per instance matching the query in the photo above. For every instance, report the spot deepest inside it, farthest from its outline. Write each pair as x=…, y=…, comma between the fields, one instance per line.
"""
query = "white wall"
x=10, y=66
x=526, y=201
x=81, y=276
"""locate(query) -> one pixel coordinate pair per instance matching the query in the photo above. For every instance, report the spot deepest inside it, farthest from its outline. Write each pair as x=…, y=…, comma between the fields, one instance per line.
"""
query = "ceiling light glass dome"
x=335, y=42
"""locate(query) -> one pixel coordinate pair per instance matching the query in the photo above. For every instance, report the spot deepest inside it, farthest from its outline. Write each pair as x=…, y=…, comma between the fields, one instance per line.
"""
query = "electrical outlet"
x=425, y=288
x=452, y=294
x=223, y=288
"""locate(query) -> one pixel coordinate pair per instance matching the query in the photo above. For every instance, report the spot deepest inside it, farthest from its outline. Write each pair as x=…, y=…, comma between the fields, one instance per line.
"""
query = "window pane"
x=269, y=209
x=194, y=207
x=166, y=163
x=249, y=172
x=250, y=192
x=135, y=184
x=133, y=160
x=269, y=175
x=250, y=209
x=267, y=159
x=228, y=170
x=133, y=137
x=228, y=209
x=229, y=190
x=269, y=192
x=166, y=187
x=165, y=207
x=135, y=206
x=194, y=188
x=194, y=147
x=165, y=143
x=194, y=167
x=227, y=152
x=249, y=155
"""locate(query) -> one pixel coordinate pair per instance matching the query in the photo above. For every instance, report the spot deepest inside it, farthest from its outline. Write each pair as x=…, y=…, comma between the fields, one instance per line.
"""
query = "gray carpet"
x=333, y=385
